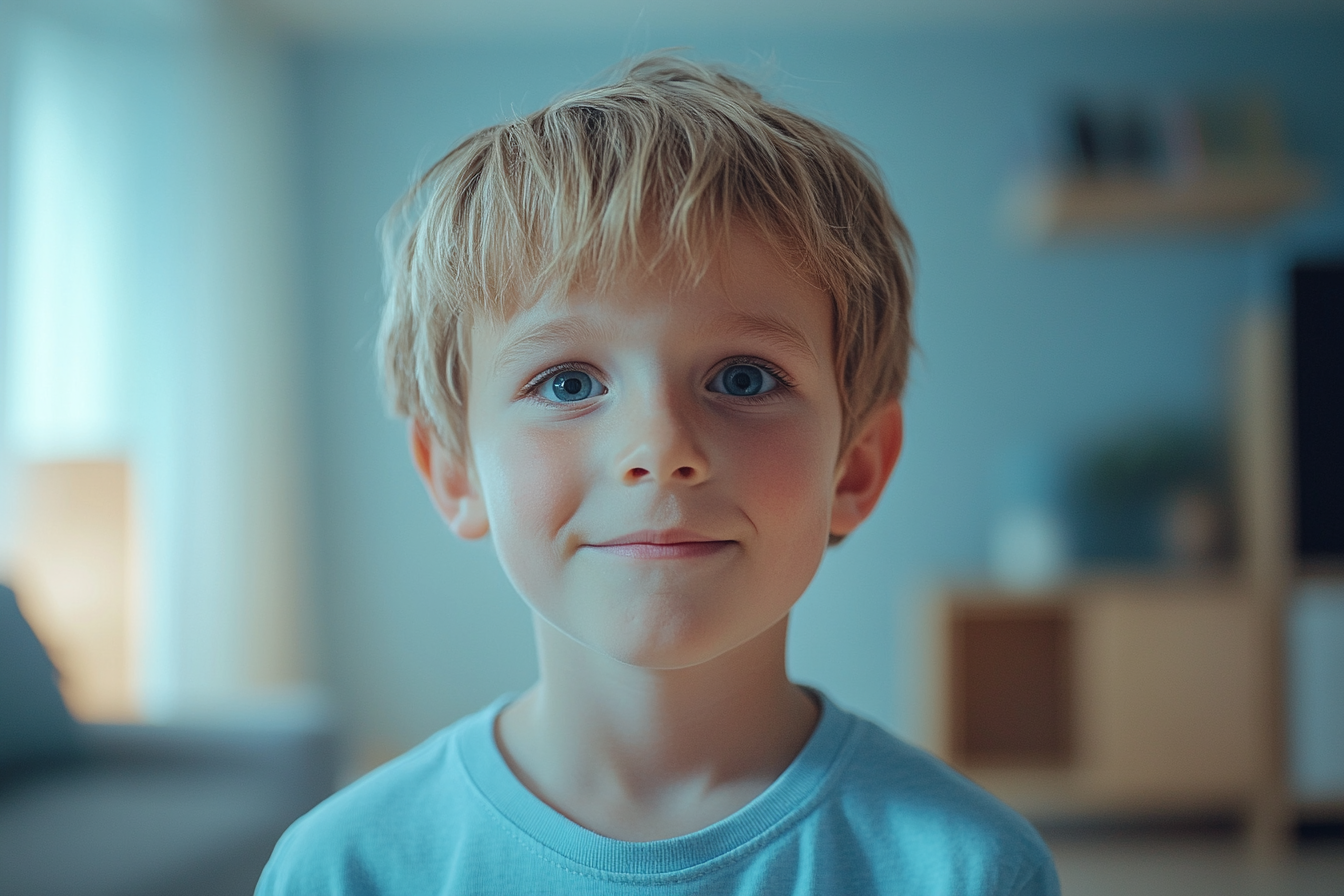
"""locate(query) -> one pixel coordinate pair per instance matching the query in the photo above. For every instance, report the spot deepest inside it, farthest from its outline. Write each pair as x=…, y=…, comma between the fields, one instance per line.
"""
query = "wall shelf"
x=1053, y=206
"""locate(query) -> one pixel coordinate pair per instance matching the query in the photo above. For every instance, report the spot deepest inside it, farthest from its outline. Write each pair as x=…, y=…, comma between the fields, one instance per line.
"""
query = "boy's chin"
x=661, y=648
x=667, y=658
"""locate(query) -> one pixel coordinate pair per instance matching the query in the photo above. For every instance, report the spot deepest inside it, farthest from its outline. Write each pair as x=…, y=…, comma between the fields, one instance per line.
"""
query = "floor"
x=1192, y=865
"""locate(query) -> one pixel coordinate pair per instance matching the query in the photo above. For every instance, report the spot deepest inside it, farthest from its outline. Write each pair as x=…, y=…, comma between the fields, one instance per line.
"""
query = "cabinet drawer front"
x=1167, y=703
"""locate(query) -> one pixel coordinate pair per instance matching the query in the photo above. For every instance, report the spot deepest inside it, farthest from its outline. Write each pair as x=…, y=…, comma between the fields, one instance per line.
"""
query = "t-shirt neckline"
x=778, y=808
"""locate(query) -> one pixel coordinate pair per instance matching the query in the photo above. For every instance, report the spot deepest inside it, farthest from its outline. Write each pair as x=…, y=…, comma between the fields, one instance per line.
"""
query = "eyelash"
x=530, y=389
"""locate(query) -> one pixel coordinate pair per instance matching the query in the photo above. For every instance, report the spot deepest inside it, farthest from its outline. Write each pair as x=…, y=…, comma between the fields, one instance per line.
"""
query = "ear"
x=865, y=467
x=450, y=482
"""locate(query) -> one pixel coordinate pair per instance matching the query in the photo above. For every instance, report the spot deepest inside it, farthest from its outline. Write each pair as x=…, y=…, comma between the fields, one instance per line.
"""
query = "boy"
x=652, y=340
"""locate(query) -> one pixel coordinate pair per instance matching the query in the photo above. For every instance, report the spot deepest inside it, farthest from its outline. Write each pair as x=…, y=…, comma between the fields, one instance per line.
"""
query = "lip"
x=661, y=544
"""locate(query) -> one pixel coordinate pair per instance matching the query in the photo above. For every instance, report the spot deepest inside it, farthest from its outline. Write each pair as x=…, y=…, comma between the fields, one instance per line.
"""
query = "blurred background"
x=1107, y=579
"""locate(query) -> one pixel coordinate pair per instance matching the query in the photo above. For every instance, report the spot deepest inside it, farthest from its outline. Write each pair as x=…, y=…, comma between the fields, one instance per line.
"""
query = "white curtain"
x=151, y=313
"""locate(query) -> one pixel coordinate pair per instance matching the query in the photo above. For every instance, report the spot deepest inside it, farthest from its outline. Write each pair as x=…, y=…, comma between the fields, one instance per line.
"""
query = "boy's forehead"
x=743, y=293
x=573, y=320
x=739, y=262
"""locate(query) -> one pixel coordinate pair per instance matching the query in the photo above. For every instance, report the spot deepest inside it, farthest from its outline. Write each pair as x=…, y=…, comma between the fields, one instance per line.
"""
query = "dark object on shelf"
x=1084, y=143
x=1318, y=410
x=1010, y=673
x=1239, y=129
x=1103, y=139
x=1134, y=142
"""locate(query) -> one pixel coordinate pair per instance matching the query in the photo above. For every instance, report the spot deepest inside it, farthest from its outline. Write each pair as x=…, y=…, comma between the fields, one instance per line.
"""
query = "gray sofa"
x=139, y=810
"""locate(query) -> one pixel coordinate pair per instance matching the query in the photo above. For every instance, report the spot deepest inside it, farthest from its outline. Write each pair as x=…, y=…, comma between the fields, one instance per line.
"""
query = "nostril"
x=685, y=472
x=638, y=472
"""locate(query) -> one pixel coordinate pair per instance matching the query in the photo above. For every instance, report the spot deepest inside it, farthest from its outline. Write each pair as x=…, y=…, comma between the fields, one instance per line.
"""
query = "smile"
x=672, y=544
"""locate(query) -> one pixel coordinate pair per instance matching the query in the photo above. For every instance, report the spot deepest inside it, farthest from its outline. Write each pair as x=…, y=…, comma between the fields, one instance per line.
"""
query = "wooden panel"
x=1168, y=708
x=1262, y=453
x=1009, y=685
x=71, y=575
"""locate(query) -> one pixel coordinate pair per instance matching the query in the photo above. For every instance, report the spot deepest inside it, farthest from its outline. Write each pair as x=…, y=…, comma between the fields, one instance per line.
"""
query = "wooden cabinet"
x=1124, y=695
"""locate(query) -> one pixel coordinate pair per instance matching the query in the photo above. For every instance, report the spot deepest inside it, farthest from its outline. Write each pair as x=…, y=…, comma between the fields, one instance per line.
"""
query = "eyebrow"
x=543, y=336
x=773, y=331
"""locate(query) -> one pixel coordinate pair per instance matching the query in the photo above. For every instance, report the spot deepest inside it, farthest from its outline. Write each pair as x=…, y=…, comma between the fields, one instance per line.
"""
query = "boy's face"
x=660, y=464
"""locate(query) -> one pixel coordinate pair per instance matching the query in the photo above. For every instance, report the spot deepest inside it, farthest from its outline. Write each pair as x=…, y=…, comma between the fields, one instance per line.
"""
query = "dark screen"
x=1318, y=409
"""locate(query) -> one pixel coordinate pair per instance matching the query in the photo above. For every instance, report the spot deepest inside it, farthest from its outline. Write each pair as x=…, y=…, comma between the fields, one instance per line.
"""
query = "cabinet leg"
x=1270, y=834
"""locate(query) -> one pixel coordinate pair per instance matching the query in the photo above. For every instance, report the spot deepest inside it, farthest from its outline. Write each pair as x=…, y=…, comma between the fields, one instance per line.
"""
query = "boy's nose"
x=662, y=448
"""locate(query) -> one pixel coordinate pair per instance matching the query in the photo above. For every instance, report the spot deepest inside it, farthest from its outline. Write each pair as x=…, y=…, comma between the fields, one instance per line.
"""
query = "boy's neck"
x=644, y=754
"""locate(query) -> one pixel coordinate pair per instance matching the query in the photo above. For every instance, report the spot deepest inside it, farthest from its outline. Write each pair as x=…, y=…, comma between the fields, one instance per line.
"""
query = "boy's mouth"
x=661, y=544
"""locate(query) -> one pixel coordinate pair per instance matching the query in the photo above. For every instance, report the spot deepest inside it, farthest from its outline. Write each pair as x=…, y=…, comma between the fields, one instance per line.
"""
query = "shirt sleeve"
x=1043, y=881
x=309, y=871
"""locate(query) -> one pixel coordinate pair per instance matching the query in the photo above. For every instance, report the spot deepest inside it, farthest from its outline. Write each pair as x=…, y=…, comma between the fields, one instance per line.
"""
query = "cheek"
x=786, y=470
x=532, y=483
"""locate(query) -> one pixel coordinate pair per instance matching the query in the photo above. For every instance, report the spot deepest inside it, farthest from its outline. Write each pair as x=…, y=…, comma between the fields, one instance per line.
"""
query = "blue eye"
x=571, y=385
x=744, y=380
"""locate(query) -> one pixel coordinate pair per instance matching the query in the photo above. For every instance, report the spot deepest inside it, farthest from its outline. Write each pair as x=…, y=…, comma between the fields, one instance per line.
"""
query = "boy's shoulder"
x=380, y=824
x=903, y=806
x=914, y=786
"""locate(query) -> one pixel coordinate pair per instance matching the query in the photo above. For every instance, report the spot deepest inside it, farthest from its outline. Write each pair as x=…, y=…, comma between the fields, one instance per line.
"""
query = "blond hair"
x=654, y=166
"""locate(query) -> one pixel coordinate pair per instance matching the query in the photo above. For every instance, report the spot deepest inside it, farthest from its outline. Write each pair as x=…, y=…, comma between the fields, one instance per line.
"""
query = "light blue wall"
x=1017, y=343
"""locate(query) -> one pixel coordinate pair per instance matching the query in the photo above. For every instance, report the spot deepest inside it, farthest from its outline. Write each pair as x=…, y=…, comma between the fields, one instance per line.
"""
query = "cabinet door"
x=1010, y=668
x=1168, y=709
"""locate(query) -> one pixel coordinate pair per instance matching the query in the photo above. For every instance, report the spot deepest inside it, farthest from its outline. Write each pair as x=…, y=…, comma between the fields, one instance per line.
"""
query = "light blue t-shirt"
x=856, y=812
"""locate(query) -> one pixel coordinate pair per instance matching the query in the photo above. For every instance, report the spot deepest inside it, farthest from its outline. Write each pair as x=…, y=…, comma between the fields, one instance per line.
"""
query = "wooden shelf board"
x=1054, y=206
